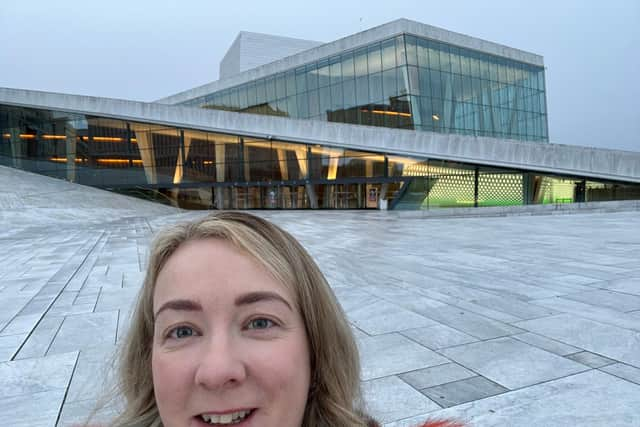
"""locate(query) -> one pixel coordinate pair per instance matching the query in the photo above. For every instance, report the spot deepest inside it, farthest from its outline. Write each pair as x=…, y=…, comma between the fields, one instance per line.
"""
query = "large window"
x=445, y=88
x=194, y=167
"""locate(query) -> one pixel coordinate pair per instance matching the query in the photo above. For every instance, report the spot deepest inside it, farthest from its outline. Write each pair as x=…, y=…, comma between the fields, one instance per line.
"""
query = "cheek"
x=284, y=370
x=171, y=380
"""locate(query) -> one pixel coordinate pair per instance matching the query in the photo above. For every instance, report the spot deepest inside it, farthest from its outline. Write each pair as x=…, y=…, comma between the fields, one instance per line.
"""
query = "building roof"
x=543, y=157
x=250, y=50
x=385, y=31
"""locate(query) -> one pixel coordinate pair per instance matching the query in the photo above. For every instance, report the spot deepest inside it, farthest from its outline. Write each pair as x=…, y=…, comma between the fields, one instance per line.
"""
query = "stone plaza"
x=520, y=320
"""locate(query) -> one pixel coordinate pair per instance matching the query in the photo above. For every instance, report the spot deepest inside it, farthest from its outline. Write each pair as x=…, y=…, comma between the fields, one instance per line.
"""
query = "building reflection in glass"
x=197, y=169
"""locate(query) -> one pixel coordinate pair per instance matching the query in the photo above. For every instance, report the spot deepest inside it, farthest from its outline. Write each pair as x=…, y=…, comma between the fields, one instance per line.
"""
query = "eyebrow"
x=245, y=299
x=254, y=297
x=179, y=305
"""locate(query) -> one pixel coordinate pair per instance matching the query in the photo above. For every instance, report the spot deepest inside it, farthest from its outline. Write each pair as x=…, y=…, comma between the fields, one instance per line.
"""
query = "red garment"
x=442, y=423
x=372, y=423
x=430, y=423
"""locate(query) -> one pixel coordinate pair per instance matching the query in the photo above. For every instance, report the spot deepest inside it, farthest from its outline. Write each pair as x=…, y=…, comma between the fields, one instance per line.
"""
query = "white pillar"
x=16, y=147
x=145, y=145
x=179, y=173
x=282, y=161
x=71, y=142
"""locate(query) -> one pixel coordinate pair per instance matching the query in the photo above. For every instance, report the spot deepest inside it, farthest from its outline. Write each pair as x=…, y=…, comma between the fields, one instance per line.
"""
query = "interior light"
x=64, y=160
x=118, y=161
x=107, y=139
x=435, y=117
x=387, y=113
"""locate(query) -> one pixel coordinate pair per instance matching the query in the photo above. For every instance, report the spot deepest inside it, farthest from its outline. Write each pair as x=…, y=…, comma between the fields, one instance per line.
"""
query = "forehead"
x=214, y=270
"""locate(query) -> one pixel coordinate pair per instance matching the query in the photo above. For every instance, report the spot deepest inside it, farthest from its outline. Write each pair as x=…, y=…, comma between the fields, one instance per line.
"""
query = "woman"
x=236, y=325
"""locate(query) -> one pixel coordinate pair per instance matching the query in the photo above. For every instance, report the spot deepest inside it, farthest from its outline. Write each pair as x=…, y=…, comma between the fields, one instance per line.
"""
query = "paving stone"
x=591, y=398
x=41, y=338
x=385, y=355
x=32, y=410
x=629, y=285
x=36, y=306
x=574, y=279
x=607, y=298
x=599, y=314
x=470, y=323
x=124, y=322
x=9, y=345
x=481, y=310
x=26, y=377
x=93, y=374
x=11, y=305
x=71, y=309
x=383, y=317
x=457, y=392
x=352, y=298
x=132, y=279
x=116, y=298
x=623, y=371
x=80, y=413
x=590, y=359
x=495, y=283
x=390, y=398
x=51, y=290
x=84, y=331
x=516, y=307
x=80, y=276
x=436, y=375
x=560, y=288
x=438, y=336
x=512, y=363
x=607, y=340
x=21, y=324
x=357, y=333
x=465, y=291
x=545, y=343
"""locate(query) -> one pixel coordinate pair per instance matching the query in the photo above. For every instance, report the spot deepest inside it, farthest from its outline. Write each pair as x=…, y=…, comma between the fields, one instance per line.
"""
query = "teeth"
x=231, y=418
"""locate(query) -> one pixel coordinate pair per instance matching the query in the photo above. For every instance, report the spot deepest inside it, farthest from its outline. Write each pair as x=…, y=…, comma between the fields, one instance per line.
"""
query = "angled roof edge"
x=561, y=159
x=353, y=41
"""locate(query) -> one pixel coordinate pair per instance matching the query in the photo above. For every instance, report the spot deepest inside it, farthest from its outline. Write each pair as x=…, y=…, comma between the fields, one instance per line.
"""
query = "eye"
x=260, y=323
x=180, y=332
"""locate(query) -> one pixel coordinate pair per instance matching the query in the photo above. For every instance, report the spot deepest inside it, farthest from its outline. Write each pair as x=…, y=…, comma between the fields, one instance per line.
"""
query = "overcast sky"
x=144, y=50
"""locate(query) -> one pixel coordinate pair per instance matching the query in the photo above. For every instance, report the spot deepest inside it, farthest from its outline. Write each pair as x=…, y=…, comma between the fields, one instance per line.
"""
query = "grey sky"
x=144, y=50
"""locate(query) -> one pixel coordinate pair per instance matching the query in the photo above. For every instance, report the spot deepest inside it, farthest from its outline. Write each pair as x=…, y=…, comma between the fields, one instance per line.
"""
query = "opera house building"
x=400, y=116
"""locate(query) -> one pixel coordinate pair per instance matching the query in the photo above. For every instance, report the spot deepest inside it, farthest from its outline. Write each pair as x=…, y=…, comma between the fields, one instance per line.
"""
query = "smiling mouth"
x=226, y=419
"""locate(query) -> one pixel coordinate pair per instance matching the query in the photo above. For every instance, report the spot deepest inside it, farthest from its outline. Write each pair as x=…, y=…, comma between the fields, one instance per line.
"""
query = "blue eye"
x=260, y=323
x=182, y=332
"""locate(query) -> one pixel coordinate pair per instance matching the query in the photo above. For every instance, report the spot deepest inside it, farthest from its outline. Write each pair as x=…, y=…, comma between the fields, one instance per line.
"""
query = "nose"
x=221, y=364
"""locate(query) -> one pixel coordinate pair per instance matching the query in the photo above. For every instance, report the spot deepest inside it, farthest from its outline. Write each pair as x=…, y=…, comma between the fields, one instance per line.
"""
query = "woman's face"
x=229, y=345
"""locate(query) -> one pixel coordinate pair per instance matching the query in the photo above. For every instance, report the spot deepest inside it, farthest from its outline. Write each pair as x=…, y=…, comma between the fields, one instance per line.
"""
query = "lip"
x=229, y=411
x=199, y=422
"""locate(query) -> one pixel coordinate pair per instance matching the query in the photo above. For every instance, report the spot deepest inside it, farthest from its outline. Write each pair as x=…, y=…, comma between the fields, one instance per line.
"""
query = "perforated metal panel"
x=452, y=190
x=500, y=189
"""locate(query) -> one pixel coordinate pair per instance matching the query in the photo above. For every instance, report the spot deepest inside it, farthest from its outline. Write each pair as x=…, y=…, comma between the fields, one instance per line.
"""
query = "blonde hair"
x=334, y=397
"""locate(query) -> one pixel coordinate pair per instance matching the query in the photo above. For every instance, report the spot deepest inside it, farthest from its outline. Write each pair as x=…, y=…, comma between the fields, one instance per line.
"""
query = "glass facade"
x=405, y=82
x=197, y=169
